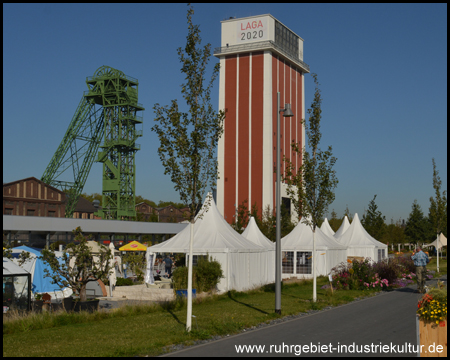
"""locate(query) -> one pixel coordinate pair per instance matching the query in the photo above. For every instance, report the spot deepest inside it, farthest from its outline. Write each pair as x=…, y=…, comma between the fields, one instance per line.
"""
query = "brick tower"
x=259, y=56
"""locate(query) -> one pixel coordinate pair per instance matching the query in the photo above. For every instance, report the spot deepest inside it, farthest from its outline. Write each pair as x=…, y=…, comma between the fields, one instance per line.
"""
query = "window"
x=287, y=260
x=286, y=39
x=8, y=211
x=30, y=212
x=51, y=214
x=381, y=254
x=304, y=261
x=286, y=203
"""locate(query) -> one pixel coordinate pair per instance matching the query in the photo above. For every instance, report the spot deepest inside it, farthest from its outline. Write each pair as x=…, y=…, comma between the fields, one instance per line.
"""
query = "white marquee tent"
x=243, y=262
x=343, y=228
x=255, y=235
x=326, y=228
x=442, y=242
x=297, y=249
x=360, y=243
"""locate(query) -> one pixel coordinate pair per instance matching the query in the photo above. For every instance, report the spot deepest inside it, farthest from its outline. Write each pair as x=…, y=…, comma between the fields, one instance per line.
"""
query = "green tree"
x=188, y=140
x=92, y=197
x=394, y=234
x=136, y=263
x=437, y=214
x=311, y=188
x=373, y=221
x=416, y=228
x=348, y=214
x=334, y=222
x=241, y=218
x=84, y=268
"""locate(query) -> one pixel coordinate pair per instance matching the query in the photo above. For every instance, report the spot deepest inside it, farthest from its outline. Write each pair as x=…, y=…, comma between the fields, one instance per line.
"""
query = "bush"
x=124, y=282
x=180, y=278
x=208, y=274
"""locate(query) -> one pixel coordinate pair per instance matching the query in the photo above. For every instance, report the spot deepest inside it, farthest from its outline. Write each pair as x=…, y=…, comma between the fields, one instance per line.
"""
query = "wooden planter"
x=431, y=334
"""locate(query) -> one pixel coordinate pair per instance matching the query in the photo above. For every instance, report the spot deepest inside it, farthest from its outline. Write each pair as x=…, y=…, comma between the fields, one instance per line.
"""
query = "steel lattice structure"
x=108, y=109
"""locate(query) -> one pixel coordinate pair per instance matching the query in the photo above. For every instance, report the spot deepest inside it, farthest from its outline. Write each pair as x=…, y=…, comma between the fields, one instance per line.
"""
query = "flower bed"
x=367, y=275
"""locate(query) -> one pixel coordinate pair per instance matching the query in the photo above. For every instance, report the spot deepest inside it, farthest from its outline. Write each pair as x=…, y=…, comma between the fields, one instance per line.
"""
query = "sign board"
x=250, y=30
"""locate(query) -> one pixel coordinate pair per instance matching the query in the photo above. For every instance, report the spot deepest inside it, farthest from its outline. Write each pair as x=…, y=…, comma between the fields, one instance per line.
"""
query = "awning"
x=133, y=246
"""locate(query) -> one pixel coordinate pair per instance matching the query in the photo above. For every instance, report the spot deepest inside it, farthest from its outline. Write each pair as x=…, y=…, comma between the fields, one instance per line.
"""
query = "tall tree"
x=188, y=139
x=394, y=234
x=437, y=214
x=334, y=222
x=311, y=187
x=348, y=214
x=373, y=221
x=416, y=228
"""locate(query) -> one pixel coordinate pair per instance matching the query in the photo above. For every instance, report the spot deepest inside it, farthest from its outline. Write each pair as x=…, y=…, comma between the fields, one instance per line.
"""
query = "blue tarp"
x=40, y=283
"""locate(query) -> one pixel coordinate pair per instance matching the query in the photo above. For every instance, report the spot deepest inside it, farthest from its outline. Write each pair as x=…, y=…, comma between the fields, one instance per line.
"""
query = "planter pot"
x=184, y=293
x=431, y=335
x=90, y=306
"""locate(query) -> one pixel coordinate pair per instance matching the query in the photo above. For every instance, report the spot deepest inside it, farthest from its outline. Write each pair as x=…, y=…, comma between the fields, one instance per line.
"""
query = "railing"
x=260, y=45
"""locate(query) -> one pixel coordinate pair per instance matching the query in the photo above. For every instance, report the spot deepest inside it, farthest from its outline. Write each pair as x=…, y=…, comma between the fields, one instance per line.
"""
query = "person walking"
x=420, y=261
x=168, y=261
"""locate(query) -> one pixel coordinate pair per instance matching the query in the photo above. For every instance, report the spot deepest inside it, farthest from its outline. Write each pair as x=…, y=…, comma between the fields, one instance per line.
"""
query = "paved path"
x=385, y=319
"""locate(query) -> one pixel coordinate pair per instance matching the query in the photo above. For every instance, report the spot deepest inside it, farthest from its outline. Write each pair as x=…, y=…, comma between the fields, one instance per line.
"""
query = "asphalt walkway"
x=381, y=325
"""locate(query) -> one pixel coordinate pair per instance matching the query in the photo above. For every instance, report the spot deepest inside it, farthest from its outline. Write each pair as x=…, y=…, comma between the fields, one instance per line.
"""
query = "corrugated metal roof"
x=40, y=224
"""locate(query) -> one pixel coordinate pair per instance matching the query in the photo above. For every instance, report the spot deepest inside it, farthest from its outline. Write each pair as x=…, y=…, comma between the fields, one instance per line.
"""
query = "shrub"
x=208, y=274
x=123, y=282
x=180, y=278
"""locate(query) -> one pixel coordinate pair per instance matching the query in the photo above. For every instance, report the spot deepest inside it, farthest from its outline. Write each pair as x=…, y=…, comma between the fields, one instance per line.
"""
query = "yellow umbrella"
x=133, y=246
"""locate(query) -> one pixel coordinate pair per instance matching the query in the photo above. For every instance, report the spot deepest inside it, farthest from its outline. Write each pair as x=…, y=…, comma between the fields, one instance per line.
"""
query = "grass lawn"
x=432, y=266
x=147, y=330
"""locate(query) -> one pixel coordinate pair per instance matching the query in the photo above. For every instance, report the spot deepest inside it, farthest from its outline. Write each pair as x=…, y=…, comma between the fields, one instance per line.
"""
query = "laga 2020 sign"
x=252, y=30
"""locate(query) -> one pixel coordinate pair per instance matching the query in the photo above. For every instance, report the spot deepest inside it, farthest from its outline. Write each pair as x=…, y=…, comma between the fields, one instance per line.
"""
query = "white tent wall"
x=243, y=262
x=326, y=260
x=300, y=240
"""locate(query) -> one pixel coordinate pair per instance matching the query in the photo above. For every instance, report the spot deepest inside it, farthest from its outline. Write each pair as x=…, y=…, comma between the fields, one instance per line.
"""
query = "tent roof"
x=255, y=235
x=326, y=228
x=357, y=236
x=442, y=241
x=11, y=269
x=133, y=246
x=301, y=238
x=211, y=234
x=343, y=228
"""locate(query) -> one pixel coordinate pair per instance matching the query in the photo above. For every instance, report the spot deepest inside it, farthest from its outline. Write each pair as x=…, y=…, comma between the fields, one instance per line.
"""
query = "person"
x=420, y=261
x=168, y=261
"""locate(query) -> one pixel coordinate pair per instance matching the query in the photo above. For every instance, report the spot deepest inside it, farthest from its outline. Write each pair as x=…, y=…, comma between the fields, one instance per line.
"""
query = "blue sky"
x=382, y=70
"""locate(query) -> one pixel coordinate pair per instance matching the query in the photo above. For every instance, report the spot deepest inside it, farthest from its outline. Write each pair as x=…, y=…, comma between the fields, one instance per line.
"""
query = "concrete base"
x=141, y=292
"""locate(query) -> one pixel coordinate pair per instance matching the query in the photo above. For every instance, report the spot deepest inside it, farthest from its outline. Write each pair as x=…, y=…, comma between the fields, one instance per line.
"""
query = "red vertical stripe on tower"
x=230, y=138
x=257, y=130
x=243, y=126
x=294, y=121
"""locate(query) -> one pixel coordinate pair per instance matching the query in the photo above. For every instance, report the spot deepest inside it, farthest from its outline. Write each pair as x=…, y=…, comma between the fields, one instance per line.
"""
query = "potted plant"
x=77, y=267
x=432, y=317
